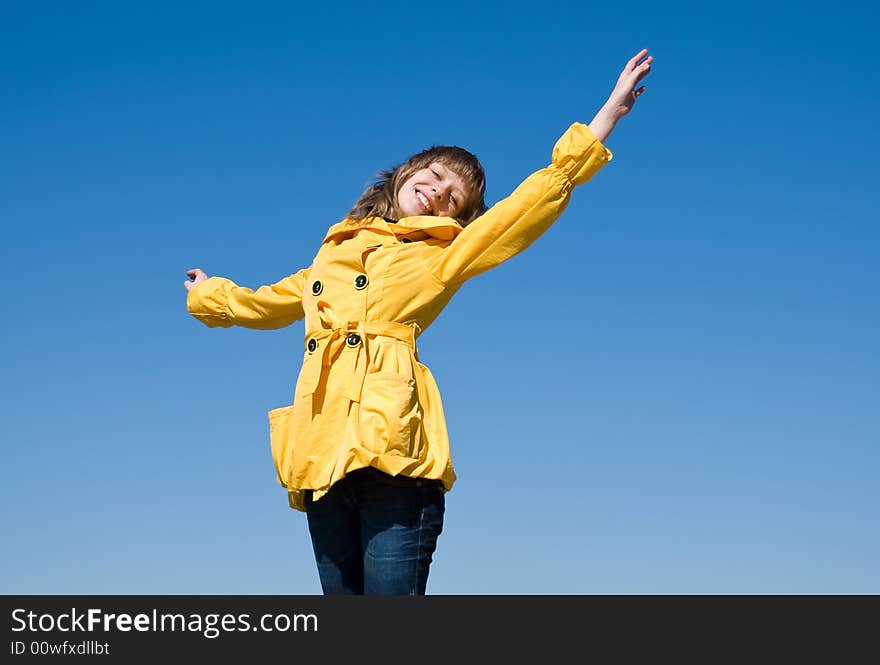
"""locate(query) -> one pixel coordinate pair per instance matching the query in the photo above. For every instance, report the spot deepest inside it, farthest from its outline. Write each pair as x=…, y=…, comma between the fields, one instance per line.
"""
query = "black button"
x=317, y=287
x=360, y=282
x=353, y=339
x=406, y=240
x=312, y=345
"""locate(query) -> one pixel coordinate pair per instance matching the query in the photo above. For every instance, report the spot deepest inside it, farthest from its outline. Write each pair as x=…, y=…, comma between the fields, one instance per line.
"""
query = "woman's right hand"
x=196, y=277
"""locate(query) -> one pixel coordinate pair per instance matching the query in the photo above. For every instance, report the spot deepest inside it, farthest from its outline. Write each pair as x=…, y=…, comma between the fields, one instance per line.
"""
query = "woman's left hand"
x=624, y=95
x=625, y=92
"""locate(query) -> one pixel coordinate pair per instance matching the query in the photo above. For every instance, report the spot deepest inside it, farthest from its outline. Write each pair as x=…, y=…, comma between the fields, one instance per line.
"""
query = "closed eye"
x=452, y=199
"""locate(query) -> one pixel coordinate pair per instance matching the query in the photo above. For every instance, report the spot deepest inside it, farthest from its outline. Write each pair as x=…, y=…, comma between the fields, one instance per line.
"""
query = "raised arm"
x=514, y=223
x=624, y=95
x=220, y=302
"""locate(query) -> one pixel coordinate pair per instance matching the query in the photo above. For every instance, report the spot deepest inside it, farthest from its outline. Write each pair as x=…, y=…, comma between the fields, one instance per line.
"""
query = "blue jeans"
x=375, y=534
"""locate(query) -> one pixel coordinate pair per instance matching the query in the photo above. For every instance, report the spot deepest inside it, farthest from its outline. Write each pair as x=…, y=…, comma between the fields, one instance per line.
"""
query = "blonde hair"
x=380, y=198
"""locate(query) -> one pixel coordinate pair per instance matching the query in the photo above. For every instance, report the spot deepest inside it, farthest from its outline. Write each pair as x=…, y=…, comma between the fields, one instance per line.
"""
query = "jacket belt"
x=350, y=361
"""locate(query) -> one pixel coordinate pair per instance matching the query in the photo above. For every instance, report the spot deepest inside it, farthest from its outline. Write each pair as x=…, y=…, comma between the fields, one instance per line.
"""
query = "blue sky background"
x=675, y=390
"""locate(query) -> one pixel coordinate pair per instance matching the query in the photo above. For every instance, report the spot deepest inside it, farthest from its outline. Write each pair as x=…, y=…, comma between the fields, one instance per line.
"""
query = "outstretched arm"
x=514, y=223
x=220, y=302
x=623, y=96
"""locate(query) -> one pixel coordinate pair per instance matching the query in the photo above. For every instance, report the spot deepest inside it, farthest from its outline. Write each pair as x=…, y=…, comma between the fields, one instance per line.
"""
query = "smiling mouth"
x=423, y=201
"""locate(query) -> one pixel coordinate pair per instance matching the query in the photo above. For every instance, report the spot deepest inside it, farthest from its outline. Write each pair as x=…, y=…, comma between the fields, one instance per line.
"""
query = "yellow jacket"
x=362, y=397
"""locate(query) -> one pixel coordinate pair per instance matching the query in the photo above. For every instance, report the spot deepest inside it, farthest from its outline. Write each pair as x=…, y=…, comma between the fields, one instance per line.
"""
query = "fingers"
x=633, y=61
x=643, y=69
x=196, y=276
x=630, y=79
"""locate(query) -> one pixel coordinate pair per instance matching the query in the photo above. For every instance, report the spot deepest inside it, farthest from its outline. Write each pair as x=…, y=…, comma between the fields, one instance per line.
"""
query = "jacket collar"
x=443, y=228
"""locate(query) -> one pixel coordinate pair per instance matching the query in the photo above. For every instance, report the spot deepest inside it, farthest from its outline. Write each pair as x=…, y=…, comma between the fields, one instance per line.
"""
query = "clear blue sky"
x=675, y=390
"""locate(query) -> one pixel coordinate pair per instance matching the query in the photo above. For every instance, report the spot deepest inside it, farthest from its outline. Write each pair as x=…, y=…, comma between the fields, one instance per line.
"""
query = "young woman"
x=363, y=449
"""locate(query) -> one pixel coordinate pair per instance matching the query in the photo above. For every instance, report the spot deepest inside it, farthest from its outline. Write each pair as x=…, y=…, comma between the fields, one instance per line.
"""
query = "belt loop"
x=364, y=351
x=416, y=329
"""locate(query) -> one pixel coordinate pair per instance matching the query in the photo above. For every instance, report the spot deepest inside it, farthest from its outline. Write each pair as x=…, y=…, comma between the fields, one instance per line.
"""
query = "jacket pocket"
x=280, y=433
x=391, y=415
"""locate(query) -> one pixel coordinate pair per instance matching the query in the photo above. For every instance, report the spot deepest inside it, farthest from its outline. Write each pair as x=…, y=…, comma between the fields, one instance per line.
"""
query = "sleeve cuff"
x=579, y=154
x=206, y=301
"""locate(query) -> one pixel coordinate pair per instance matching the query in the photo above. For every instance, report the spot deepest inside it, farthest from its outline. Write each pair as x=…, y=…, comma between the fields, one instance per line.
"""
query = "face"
x=435, y=190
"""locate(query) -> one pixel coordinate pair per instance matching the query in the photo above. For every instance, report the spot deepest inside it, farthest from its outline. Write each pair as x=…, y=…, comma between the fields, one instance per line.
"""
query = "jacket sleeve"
x=220, y=302
x=514, y=223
